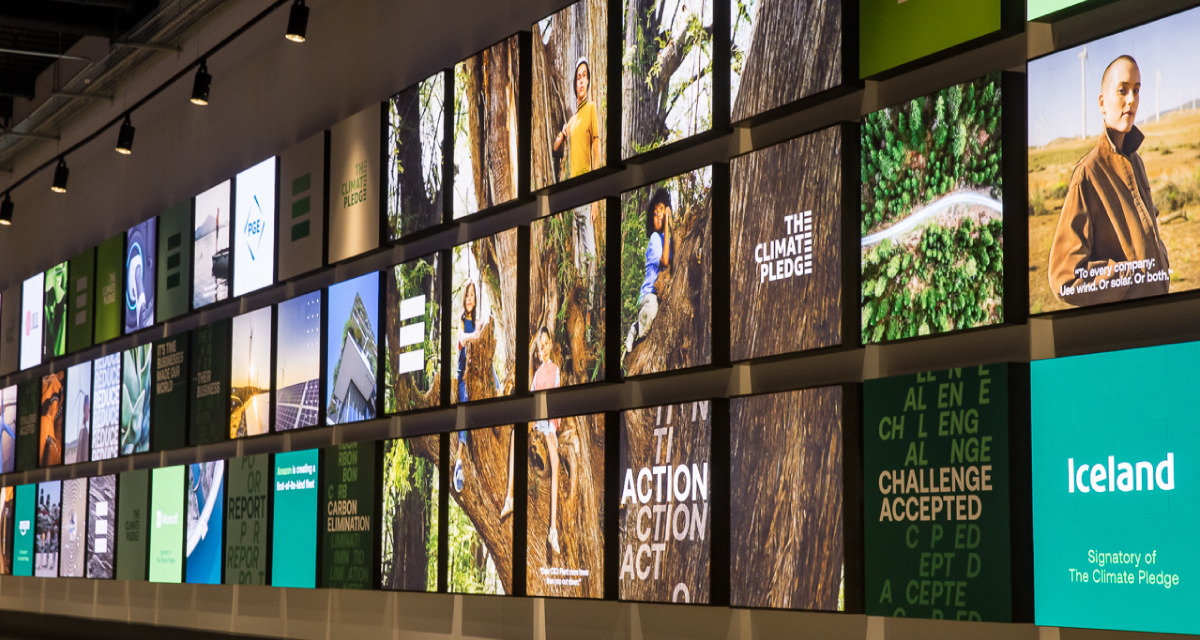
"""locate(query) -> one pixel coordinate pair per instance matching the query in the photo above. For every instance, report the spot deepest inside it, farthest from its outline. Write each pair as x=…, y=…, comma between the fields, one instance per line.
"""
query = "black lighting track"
x=153, y=94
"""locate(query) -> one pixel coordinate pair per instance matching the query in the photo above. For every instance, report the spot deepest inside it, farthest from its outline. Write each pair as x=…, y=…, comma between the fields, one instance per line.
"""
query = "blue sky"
x=1167, y=45
x=341, y=300
x=299, y=326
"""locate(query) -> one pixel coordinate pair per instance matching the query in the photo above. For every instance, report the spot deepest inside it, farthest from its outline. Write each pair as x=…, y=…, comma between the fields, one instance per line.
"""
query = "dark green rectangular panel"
x=302, y=184
x=133, y=502
x=174, y=227
x=348, y=516
x=81, y=290
x=170, y=405
x=29, y=411
x=110, y=266
x=936, y=521
x=301, y=207
x=210, y=383
x=246, y=525
x=300, y=231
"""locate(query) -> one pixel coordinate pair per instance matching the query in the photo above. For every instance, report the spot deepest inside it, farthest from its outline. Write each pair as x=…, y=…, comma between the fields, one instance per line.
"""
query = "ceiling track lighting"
x=61, y=173
x=6, y=210
x=297, y=22
x=125, y=137
x=201, y=85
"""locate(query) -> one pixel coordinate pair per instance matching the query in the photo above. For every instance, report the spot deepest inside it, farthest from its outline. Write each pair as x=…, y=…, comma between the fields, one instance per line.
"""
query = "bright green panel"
x=1039, y=8
x=894, y=33
x=1116, y=490
x=167, y=524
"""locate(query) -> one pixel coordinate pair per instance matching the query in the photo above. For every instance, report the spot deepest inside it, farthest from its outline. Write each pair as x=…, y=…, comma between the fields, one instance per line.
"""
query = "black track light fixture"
x=297, y=22
x=125, y=137
x=6, y=210
x=61, y=173
x=200, y=87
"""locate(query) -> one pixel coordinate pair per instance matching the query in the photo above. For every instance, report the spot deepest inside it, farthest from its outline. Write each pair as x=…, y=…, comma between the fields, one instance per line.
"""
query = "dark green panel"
x=210, y=383
x=133, y=495
x=175, y=252
x=246, y=525
x=348, y=516
x=170, y=405
x=80, y=297
x=29, y=411
x=936, y=521
x=110, y=265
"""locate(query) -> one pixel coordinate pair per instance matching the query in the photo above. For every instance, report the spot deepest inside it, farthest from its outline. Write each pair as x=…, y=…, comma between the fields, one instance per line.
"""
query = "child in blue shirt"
x=658, y=259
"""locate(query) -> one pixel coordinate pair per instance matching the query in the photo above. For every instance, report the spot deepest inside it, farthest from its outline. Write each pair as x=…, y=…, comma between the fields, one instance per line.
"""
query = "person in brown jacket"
x=1107, y=245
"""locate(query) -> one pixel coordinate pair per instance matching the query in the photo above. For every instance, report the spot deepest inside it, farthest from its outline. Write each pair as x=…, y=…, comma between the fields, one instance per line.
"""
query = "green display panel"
x=133, y=493
x=174, y=260
x=936, y=504
x=170, y=405
x=80, y=299
x=895, y=33
x=210, y=383
x=294, y=520
x=248, y=520
x=1115, y=493
x=348, y=510
x=23, y=530
x=167, y=524
x=110, y=266
x=29, y=411
x=1039, y=8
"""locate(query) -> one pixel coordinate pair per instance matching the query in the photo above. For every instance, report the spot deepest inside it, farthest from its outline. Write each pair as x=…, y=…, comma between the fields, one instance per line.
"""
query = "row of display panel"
x=935, y=495
x=930, y=195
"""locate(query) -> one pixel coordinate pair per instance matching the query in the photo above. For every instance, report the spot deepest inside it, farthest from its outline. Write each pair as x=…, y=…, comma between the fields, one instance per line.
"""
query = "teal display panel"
x=133, y=531
x=294, y=519
x=1116, y=492
x=23, y=533
x=167, y=526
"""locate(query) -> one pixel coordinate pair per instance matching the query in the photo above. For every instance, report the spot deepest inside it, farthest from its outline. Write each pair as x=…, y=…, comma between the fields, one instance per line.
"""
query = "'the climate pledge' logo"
x=790, y=256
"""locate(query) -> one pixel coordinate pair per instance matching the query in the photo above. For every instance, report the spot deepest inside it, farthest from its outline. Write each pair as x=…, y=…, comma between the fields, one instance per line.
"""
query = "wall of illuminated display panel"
x=948, y=457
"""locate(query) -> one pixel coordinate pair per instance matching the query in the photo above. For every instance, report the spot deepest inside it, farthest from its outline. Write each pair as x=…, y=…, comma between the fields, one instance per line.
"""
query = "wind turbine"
x=1083, y=93
x=1157, y=91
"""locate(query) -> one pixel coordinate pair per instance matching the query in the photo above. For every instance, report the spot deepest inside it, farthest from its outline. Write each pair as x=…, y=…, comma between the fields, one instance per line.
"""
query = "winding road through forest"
x=937, y=206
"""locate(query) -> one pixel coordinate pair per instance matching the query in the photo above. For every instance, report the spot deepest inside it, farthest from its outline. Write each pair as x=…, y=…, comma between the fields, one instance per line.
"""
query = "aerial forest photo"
x=570, y=93
x=667, y=74
x=666, y=274
x=783, y=51
x=567, y=297
x=932, y=214
x=486, y=128
x=416, y=133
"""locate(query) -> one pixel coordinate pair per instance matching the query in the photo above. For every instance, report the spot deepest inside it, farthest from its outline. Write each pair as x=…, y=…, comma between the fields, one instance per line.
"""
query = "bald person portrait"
x=1107, y=245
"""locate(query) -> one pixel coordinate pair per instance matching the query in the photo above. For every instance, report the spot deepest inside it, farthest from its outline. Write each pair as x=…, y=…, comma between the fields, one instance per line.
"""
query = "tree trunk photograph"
x=410, y=514
x=565, y=552
x=665, y=515
x=570, y=92
x=785, y=526
x=567, y=297
x=412, y=372
x=785, y=247
x=416, y=131
x=480, y=528
x=484, y=282
x=783, y=51
x=666, y=274
x=667, y=78
x=486, y=89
